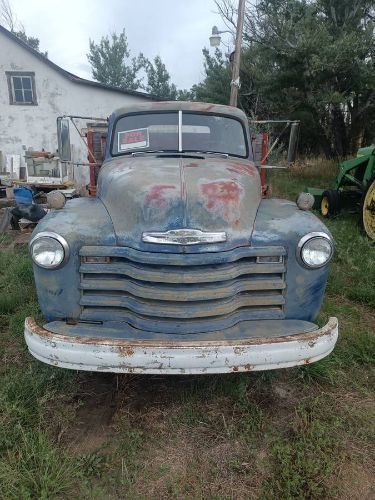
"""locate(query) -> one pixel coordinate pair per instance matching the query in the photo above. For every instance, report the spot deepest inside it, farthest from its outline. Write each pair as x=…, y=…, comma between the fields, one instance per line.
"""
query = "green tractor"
x=355, y=185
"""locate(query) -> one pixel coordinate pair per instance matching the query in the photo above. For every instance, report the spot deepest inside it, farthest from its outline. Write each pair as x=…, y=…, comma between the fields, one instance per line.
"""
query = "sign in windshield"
x=198, y=133
x=133, y=139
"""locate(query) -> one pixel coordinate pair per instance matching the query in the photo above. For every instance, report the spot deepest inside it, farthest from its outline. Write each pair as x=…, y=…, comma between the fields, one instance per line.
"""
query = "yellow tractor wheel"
x=368, y=211
x=330, y=203
x=324, y=206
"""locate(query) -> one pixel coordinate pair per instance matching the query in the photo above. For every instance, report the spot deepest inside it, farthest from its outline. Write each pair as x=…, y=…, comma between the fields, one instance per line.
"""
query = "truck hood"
x=148, y=194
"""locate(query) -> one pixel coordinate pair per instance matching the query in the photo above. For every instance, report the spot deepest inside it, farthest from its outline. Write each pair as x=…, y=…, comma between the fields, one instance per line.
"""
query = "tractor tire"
x=368, y=210
x=330, y=203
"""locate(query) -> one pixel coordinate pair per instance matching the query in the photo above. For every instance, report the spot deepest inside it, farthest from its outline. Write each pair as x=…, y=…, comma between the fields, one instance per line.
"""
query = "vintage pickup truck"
x=178, y=266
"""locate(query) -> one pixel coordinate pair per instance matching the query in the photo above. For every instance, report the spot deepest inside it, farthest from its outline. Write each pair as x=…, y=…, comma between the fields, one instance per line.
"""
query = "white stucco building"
x=34, y=92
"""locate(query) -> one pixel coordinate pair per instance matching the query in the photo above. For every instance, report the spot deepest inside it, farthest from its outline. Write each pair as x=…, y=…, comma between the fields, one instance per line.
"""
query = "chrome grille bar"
x=191, y=290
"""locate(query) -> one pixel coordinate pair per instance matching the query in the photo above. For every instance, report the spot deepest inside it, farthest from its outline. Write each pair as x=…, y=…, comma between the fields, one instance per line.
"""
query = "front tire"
x=368, y=210
x=330, y=203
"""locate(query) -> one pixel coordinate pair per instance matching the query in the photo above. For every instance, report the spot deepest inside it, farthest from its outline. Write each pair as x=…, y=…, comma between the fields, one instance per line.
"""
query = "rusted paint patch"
x=210, y=107
x=240, y=168
x=243, y=368
x=223, y=198
x=157, y=195
x=125, y=351
x=239, y=350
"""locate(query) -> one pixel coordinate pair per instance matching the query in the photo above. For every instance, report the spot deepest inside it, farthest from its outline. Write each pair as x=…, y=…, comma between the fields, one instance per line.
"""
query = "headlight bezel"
x=311, y=236
x=54, y=236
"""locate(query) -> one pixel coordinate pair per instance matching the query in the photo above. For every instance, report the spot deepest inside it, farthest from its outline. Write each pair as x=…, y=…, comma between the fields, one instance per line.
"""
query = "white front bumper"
x=185, y=357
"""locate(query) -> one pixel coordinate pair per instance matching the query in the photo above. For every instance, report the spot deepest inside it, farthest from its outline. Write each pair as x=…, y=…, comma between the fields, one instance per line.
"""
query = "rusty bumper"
x=184, y=357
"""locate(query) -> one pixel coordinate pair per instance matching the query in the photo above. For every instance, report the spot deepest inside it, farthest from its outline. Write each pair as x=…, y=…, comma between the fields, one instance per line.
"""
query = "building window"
x=21, y=87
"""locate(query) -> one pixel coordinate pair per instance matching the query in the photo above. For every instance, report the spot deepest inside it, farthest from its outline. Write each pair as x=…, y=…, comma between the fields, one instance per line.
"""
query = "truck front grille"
x=184, y=293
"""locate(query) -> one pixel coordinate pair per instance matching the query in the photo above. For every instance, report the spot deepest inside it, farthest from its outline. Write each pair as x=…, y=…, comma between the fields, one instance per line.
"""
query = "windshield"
x=199, y=132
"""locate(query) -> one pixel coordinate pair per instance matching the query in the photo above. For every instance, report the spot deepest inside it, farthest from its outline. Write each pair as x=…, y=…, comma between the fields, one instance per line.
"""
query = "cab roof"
x=199, y=107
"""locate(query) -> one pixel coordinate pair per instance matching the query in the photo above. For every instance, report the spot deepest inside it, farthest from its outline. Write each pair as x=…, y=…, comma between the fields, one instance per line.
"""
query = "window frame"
x=179, y=113
x=12, y=98
x=222, y=115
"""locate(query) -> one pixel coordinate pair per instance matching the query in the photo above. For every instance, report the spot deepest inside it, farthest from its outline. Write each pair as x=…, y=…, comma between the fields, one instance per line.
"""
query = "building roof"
x=71, y=76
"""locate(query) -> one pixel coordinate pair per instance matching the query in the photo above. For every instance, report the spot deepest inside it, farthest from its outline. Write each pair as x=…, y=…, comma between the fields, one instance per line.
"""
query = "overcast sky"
x=177, y=30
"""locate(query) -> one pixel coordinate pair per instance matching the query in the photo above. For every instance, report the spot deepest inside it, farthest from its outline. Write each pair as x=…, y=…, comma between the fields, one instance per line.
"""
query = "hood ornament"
x=184, y=237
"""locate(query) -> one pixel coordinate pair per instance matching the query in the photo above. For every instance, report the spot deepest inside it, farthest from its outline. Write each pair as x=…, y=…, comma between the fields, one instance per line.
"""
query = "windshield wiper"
x=161, y=151
x=180, y=153
x=169, y=152
x=216, y=153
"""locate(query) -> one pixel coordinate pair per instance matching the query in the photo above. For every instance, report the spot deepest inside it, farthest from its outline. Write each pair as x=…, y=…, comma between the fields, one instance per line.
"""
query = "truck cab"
x=178, y=265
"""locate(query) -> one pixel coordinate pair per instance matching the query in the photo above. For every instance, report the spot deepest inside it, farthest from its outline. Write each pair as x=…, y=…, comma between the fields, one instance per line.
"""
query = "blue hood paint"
x=163, y=193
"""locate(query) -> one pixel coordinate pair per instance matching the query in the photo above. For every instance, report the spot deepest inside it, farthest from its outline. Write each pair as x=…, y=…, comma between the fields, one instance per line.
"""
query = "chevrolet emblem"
x=184, y=237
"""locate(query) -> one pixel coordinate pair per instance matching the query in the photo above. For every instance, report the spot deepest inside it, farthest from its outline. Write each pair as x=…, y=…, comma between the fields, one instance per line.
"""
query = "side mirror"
x=63, y=139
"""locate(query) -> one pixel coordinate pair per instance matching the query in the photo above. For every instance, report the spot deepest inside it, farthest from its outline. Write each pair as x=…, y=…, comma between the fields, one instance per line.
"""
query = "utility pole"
x=235, y=83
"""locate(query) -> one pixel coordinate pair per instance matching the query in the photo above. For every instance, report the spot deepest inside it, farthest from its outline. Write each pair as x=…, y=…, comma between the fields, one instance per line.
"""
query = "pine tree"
x=158, y=79
x=111, y=63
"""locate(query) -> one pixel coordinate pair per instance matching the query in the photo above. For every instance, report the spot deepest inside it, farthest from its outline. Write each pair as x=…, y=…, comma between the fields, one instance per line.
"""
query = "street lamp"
x=215, y=37
x=215, y=42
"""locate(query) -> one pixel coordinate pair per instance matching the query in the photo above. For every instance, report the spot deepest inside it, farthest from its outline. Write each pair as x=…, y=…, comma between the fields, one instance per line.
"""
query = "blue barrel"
x=23, y=195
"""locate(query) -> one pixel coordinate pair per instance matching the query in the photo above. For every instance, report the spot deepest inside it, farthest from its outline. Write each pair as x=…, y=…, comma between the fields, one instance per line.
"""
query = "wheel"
x=368, y=210
x=330, y=203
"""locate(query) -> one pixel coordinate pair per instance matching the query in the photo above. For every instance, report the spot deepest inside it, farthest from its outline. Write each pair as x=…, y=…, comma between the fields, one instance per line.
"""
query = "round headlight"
x=315, y=250
x=49, y=250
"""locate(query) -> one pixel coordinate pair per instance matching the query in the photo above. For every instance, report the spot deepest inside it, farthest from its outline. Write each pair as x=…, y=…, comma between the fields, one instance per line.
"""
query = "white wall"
x=35, y=126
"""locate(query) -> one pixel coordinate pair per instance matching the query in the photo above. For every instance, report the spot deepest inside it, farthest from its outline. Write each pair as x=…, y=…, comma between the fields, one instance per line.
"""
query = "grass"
x=299, y=433
x=354, y=265
x=36, y=469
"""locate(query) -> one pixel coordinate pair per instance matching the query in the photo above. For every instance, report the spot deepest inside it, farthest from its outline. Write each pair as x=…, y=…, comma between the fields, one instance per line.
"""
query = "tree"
x=10, y=21
x=216, y=84
x=312, y=60
x=185, y=95
x=158, y=79
x=111, y=63
x=317, y=58
x=32, y=41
